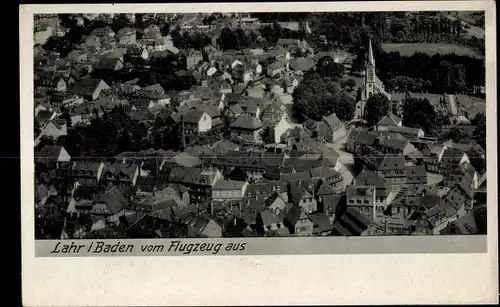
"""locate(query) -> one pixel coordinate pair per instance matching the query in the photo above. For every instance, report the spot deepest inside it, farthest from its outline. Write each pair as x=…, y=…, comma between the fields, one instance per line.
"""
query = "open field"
x=430, y=49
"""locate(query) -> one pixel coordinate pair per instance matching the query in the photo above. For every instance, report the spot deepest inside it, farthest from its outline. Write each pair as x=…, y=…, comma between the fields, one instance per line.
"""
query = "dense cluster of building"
x=302, y=184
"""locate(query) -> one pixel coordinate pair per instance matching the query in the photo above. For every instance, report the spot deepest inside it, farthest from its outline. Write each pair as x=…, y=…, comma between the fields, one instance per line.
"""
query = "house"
x=87, y=173
x=328, y=176
x=301, y=65
x=223, y=147
x=196, y=121
x=104, y=31
x=331, y=129
x=391, y=167
x=110, y=204
x=89, y=88
x=120, y=174
x=43, y=117
x=432, y=155
x=225, y=190
x=81, y=114
x=363, y=199
x=299, y=196
x=407, y=131
x=267, y=220
x=461, y=197
x=416, y=174
x=250, y=165
x=466, y=225
x=394, y=145
x=137, y=51
x=383, y=191
x=51, y=156
x=353, y=223
x=451, y=158
x=199, y=182
x=126, y=36
x=109, y=64
x=388, y=121
x=193, y=58
x=322, y=226
x=279, y=129
x=203, y=227
x=359, y=140
x=154, y=94
x=50, y=83
x=298, y=222
x=277, y=68
x=54, y=129
x=247, y=128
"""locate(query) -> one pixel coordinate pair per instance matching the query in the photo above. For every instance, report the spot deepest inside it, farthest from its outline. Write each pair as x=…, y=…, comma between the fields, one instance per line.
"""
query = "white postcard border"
x=236, y=280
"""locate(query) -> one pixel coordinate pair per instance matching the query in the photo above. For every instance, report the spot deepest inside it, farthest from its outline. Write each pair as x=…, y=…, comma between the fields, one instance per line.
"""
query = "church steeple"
x=370, y=72
x=371, y=58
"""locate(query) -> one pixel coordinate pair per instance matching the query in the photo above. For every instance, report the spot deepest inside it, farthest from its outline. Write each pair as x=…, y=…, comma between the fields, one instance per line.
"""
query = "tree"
x=479, y=123
x=377, y=106
x=351, y=83
x=460, y=134
x=266, y=135
x=419, y=113
x=228, y=40
x=345, y=107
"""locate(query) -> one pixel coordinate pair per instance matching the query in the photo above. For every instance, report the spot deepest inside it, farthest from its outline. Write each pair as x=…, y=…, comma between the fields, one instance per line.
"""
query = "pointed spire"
x=371, y=59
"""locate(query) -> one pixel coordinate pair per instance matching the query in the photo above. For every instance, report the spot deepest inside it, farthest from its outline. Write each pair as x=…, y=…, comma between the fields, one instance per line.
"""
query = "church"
x=371, y=84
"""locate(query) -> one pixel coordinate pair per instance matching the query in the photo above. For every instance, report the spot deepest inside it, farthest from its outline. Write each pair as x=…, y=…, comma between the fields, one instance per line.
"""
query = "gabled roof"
x=325, y=189
x=102, y=31
x=86, y=87
x=404, y=129
x=390, y=120
x=389, y=162
x=193, y=116
x=416, y=171
x=114, y=200
x=246, y=122
x=368, y=177
x=321, y=223
x=351, y=223
x=332, y=120
x=121, y=168
x=294, y=214
x=453, y=154
x=269, y=217
x=302, y=64
x=223, y=185
x=108, y=63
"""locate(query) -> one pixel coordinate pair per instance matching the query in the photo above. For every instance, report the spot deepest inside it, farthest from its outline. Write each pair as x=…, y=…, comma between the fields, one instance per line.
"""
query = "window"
x=366, y=201
x=351, y=201
x=358, y=201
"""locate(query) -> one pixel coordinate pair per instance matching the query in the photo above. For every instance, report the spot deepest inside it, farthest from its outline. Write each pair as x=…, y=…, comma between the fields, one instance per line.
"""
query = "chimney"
x=183, y=132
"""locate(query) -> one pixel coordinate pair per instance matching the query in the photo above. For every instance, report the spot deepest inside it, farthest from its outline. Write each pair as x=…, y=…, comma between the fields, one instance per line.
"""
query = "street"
x=346, y=159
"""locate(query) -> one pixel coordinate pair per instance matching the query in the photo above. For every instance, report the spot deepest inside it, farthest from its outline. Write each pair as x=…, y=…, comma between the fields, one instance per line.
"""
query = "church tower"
x=370, y=72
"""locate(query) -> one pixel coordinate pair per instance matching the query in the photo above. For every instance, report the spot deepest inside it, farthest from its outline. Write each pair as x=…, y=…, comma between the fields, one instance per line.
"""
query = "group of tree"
x=318, y=96
x=376, y=107
x=236, y=39
x=448, y=73
x=420, y=113
x=273, y=32
x=162, y=70
x=115, y=132
x=186, y=40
